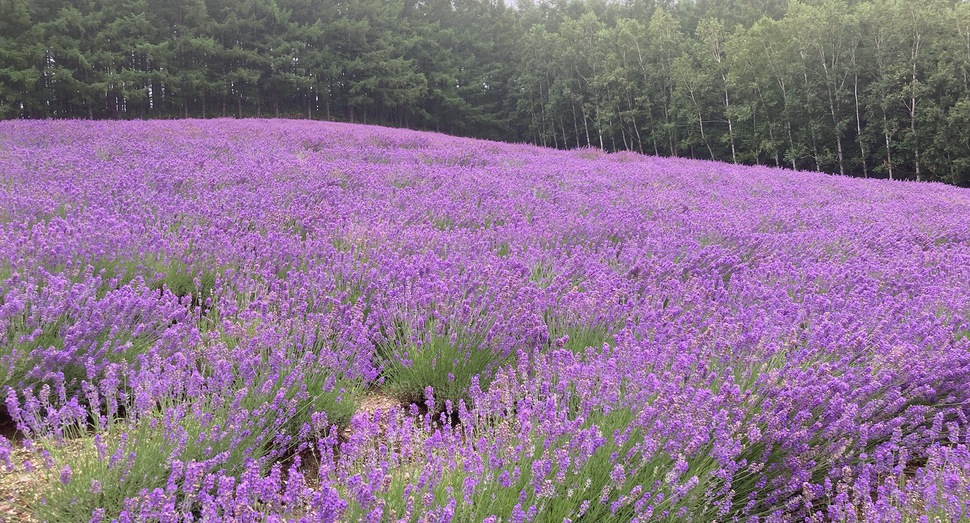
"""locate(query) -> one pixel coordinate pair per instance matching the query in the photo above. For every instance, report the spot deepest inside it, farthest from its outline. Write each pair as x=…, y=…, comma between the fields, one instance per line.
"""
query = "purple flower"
x=66, y=474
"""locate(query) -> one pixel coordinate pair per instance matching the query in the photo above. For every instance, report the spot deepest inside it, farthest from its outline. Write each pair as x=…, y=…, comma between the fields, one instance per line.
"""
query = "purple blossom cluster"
x=195, y=313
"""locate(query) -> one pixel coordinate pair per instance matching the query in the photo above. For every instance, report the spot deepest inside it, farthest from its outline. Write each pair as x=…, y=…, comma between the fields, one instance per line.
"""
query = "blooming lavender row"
x=195, y=311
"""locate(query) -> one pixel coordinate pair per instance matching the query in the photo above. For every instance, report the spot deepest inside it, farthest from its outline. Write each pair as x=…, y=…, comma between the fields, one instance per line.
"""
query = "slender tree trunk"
x=754, y=133
x=815, y=149
x=791, y=137
x=917, y=44
x=669, y=128
x=727, y=114
x=700, y=122
x=912, y=119
x=771, y=128
x=858, y=127
x=636, y=129
x=157, y=99
x=965, y=35
x=831, y=90
x=650, y=119
x=889, y=153
x=916, y=159
x=777, y=154
x=622, y=128
x=838, y=135
x=575, y=122
x=791, y=144
x=785, y=102
x=811, y=127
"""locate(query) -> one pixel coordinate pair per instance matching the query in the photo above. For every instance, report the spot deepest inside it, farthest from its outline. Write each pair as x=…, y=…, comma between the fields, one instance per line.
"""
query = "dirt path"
x=18, y=489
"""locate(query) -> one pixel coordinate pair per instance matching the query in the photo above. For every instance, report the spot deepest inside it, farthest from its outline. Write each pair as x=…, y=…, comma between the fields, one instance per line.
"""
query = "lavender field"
x=295, y=321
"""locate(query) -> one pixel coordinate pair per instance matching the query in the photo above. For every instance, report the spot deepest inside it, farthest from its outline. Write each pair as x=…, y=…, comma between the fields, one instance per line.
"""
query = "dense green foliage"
x=876, y=88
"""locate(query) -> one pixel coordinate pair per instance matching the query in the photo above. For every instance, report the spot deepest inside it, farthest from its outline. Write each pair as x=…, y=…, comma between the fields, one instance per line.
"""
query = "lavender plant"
x=197, y=319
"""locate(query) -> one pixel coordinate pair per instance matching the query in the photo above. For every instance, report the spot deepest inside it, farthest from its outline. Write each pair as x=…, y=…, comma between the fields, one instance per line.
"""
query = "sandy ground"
x=18, y=489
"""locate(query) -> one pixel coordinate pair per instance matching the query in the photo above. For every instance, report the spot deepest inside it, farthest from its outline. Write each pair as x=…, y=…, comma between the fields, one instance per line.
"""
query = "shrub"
x=442, y=355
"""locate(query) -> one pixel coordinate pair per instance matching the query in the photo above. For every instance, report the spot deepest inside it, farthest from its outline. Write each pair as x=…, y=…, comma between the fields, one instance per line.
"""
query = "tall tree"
x=21, y=57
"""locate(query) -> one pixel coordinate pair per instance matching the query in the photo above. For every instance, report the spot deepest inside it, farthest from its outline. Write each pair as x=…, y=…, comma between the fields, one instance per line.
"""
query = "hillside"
x=227, y=318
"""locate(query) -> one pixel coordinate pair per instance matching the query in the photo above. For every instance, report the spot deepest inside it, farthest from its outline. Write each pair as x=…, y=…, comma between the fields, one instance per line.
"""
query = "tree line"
x=874, y=88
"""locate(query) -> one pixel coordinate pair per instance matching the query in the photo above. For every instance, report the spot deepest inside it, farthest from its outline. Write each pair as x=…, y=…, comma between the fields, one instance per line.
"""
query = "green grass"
x=18, y=351
x=444, y=357
x=584, y=486
x=232, y=429
x=20, y=354
x=95, y=482
x=542, y=274
x=99, y=479
x=30, y=333
x=185, y=282
x=463, y=159
x=295, y=227
x=443, y=223
x=580, y=337
x=962, y=334
x=301, y=374
x=763, y=378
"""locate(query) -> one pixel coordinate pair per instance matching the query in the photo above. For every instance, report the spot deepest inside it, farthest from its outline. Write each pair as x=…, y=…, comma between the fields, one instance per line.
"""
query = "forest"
x=868, y=88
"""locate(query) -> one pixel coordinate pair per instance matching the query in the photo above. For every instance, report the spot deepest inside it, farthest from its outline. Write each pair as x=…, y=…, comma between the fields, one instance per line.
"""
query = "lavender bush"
x=193, y=314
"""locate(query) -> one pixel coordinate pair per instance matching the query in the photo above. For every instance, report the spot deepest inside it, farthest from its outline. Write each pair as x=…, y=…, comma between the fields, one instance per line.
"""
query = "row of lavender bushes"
x=194, y=312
